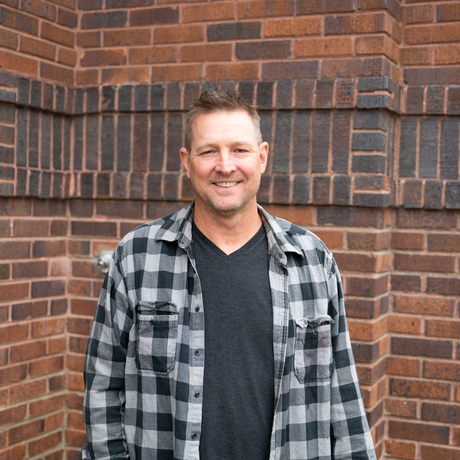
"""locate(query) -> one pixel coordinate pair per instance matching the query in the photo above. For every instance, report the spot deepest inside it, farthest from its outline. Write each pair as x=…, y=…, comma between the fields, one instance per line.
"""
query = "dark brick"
x=92, y=100
x=59, y=93
x=341, y=141
x=282, y=145
x=58, y=228
x=108, y=98
x=301, y=147
x=36, y=94
x=370, y=84
x=107, y=142
x=79, y=101
x=173, y=99
x=34, y=183
x=290, y=70
x=284, y=94
x=431, y=76
x=446, y=413
x=154, y=187
x=157, y=142
x=6, y=172
x=321, y=186
x=449, y=148
x=58, y=307
x=67, y=141
x=318, y=6
x=413, y=194
x=304, y=94
x=8, y=79
x=372, y=200
x=90, y=228
x=128, y=3
x=6, y=134
x=452, y=195
x=49, y=248
x=263, y=49
x=81, y=208
x=408, y=141
x=266, y=126
x=45, y=145
x=57, y=185
x=301, y=191
x=140, y=142
x=324, y=92
x=264, y=95
x=174, y=142
x=372, y=101
x=443, y=286
x=320, y=143
x=141, y=98
x=4, y=275
x=435, y=99
x=125, y=96
x=29, y=310
x=351, y=217
x=70, y=101
x=49, y=208
x=428, y=147
x=119, y=185
x=116, y=208
x=124, y=143
x=103, y=185
x=246, y=89
x=157, y=96
x=92, y=141
x=369, y=164
x=57, y=142
x=7, y=113
x=419, y=432
x=234, y=31
x=78, y=144
x=34, y=121
x=48, y=96
x=21, y=137
x=406, y=283
x=191, y=93
x=453, y=100
x=281, y=189
x=48, y=288
x=344, y=94
x=7, y=96
x=87, y=5
x=342, y=190
x=87, y=185
x=421, y=347
x=171, y=187
x=165, y=15
x=21, y=182
x=433, y=195
x=137, y=186
x=67, y=18
x=23, y=88
x=104, y=20
x=366, y=352
x=414, y=102
x=6, y=154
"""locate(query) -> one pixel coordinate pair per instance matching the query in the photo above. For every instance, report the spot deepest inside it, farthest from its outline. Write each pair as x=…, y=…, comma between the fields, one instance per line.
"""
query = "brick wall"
x=359, y=102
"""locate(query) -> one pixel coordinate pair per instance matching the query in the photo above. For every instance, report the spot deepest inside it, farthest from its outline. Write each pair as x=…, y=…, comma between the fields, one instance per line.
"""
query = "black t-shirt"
x=238, y=388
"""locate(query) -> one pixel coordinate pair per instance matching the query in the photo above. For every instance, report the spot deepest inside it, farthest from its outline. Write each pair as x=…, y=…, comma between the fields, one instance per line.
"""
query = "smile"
x=226, y=184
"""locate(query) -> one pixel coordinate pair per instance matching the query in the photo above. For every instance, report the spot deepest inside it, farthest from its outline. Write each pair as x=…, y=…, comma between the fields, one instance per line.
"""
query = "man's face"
x=225, y=162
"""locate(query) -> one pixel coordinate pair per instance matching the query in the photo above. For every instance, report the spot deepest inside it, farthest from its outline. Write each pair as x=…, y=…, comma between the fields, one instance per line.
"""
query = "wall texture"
x=360, y=104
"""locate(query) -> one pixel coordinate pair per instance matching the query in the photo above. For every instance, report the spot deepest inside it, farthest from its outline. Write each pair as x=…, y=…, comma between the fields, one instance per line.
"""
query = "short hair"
x=215, y=100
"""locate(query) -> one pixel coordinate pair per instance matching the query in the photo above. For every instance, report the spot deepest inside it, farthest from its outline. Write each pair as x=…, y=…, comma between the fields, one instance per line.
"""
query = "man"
x=220, y=331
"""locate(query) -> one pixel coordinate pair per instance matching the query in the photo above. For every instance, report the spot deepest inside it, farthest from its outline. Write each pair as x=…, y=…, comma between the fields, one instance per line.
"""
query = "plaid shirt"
x=145, y=358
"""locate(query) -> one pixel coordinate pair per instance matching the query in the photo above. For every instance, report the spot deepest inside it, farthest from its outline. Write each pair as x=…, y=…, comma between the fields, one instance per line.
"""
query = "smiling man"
x=220, y=332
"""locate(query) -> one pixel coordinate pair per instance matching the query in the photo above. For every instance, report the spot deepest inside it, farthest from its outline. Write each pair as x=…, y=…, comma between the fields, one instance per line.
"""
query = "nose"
x=225, y=164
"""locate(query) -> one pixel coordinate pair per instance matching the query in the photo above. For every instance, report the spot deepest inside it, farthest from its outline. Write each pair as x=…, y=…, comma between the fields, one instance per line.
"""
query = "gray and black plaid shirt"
x=145, y=358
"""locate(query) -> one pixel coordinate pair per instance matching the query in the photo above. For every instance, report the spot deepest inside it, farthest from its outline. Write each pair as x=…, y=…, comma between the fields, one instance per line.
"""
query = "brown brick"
x=287, y=27
x=421, y=347
x=57, y=383
x=29, y=310
x=407, y=240
x=92, y=228
x=418, y=14
x=48, y=288
x=374, y=263
x=179, y=34
x=14, y=333
x=367, y=331
x=47, y=327
x=45, y=443
x=150, y=16
x=56, y=73
x=27, y=390
x=408, y=367
x=443, y=329
x=263, y=9
x=54, y=421
x=360, y=241
x=445, y=242
x=208, y=52
x=80, y=326
x=406, y=283
x=129, y=37
x=18, y=63
x=87, y=77
x=57, y=345
x=13, y=414
x=424, y=263
x=416, y=56
x=57, y=34
x=13, y=374
x=398, y=407
x=419, y=432
x=75, y=382
x=39, y=8
x=354, y=67
x=38, y=48
x=9, y=39
x=358, y=24
x=366, y=286
x=75, y=362
x=79, y=287
x=16, y=20
x=85, y=269
x=91, y=39
x=30, y=269
x=27, y=351
x=75, y=438
x=400, y=449
x=232, y=71
x=49, y=248
x=449, y=12
x=216, y=11
x=85, y=307
x=377, y=45
x=153, y=55
x=332, y=239
x=14, y=249
x=14, y=291
x=422, y=35
x=446, y=413
x=315, y=47
x=30, y=228
x=126, y=74
x=404, y=324
x=419, y=389
x=441, y=370
x=105, y=57
x=78, y=345
x=67, y=57
x=46, y=366
x=436, y=452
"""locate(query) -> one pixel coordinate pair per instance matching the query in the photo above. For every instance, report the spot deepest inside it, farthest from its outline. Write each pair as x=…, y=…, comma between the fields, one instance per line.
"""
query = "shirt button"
x=194, y=435
x=197, y=395
x=197, y=352
x=197, y=309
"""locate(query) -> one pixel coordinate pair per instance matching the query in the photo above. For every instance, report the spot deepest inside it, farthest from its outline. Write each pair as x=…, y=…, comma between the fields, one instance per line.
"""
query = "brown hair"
x=214, y=100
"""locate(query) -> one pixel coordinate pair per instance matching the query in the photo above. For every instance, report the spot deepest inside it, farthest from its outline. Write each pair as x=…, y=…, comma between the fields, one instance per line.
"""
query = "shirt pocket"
x=313, y=349
x=157, y=336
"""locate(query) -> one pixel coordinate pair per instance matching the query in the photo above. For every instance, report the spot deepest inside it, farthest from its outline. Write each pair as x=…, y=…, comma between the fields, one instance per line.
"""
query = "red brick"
x=441, y=370
x=19, y=21
x=83, y=307
x=419, y=389
x=56, y=345
x=400, y=449
x=90, y=39
x=79, y=326
x=418, y=14
x=445, y=413
x=18, y=63
x=87, y=77
x=152, y=55
x=54, y=421
x=362, y=241
x=85, y=269
x=215, y=11
x=78, y=345
x=208, y=52
x=79, y=287
x=67, y=57
x=179, y=34
x=443, y=329
x=287, y=27
x=407, y=240
x=47, y=327
x=27, y=351
x=75, y=362
x=49, y=248
x=425, y=305
x=315, y=47
x=29, y=310
x=30, y=228
x=449, y=12
x=436, y=452
x=232, y=71
x=74, y=401
x=366, y=286
x=354, y=67
x=75, y=438
x=367, y=331
x=26, y=431
x=13, y=414
x=14, y=333
x=419, y=432
x=14, y=250
x=401, y=408
x=105, y=57
x=424, y=263
x=48, y=288
x=445, y=242
x=45, y=443
x=370, y=263
x=13, y=374
x=422, y=35
x=8, y=39
x=409, y=367
x=416, y=56
x=129, y=37
x=404, y=324
x=332, y=239
x=406, y=283
x=425, y=219
x=38, y=48
x=27, y=390
x=57, y=34
x=56, y=73
x=75, y=420
x=75, y=381
x=46, y=366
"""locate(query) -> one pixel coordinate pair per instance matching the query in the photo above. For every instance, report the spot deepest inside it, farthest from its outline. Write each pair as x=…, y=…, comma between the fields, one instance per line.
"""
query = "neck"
x=228, y=233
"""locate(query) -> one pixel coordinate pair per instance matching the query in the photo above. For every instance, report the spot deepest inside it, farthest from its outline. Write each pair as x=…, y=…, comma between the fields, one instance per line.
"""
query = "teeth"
x=226, y=184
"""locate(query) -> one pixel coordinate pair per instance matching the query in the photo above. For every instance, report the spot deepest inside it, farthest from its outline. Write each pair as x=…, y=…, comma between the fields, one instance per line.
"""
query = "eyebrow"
x=232, y=144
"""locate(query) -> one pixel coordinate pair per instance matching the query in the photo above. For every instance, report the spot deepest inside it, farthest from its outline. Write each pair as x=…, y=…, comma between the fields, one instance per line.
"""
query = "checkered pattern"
x=145, y=359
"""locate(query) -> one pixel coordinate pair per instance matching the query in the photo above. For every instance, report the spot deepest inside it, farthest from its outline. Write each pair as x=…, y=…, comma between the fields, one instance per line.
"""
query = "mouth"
x=225, y=184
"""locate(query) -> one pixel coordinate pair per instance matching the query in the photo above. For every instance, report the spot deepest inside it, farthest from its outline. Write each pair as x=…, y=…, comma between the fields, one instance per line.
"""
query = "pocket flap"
x=146, y=307
x=314, y=323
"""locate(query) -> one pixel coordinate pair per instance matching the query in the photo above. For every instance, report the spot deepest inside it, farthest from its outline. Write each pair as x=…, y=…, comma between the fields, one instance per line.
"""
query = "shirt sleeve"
x=350, y=435
x=103, y=405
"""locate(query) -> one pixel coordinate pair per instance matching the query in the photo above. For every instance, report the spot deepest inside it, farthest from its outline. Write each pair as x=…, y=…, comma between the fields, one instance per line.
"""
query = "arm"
x=104, y=370
x=350, y=436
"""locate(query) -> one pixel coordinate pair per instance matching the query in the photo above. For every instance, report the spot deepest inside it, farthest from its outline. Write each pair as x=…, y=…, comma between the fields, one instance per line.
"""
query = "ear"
x=184, y=157
x=263, y=156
